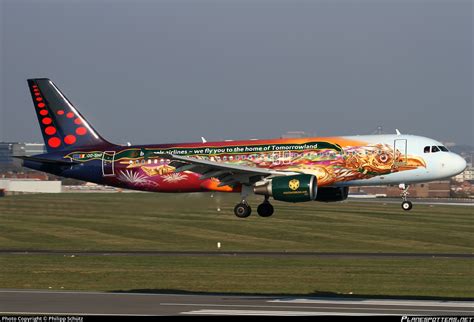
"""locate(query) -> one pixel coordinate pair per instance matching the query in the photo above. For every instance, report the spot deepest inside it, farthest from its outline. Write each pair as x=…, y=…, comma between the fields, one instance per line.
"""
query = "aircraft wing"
x=227, y=174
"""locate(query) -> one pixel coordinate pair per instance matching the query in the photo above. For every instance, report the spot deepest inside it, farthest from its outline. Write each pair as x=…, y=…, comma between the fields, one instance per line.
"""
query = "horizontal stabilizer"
x=48, y=161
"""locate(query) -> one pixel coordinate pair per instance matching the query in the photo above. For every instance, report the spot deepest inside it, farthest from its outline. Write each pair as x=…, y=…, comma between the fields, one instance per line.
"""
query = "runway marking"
x=405, y=309
x=267, y=313
x=418, y=303
x=227, y=304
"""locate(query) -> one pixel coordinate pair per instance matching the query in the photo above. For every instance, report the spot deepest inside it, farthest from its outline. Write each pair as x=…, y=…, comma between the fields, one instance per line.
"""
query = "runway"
x=15, y=302
x=416, y=201
x=334, y=255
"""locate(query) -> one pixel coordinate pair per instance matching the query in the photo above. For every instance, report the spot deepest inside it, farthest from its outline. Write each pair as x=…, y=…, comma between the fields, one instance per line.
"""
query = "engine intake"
x=296, y=188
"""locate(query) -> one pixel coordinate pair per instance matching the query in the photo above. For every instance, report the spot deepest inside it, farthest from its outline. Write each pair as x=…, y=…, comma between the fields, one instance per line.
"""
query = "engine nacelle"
x=332, y=194
x=296, y=188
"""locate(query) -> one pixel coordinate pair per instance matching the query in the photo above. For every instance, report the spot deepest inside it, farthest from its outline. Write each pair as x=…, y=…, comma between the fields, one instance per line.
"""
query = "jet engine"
x=295, y=188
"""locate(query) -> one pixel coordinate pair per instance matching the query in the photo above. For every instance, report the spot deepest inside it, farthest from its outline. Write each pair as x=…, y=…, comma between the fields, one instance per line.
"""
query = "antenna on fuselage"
x=379, y=130
x=203, y=139
x=398, y=132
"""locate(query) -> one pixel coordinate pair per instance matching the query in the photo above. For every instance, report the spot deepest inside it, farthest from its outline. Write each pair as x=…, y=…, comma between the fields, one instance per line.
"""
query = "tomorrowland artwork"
x=331, y=162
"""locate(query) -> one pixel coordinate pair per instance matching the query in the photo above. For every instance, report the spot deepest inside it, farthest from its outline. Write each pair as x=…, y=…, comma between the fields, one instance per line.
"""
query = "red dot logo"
x=81, y=131
x=41, y=105
x=54, y=142
x=50, y=130
x=39, y=99
x=77, y=121
x=37, y=94
x=70, y=139
x=70, y=115
x=60, y=112
x=44, y=112
x=47, y=121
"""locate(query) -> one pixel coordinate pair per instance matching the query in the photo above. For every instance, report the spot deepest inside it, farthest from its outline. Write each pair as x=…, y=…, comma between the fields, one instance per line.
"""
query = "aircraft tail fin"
x=62, y=126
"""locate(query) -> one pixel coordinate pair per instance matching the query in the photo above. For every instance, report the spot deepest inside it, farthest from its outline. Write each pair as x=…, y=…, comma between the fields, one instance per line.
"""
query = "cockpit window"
x=443, y=148
x=426, y=149
x=434, y=148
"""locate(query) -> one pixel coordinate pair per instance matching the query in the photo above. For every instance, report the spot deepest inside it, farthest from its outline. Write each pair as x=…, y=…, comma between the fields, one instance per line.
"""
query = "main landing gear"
x=406, y=204
x=243, y=209
x=265, y=209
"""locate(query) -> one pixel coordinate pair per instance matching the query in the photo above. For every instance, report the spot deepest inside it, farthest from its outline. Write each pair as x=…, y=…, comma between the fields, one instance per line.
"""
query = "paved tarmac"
x=334, y=255
x=38, y=302
x=415, y=201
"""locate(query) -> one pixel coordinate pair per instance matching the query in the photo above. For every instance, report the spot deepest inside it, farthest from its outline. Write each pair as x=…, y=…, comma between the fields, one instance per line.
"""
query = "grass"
x=339, y=277
x=140, y=221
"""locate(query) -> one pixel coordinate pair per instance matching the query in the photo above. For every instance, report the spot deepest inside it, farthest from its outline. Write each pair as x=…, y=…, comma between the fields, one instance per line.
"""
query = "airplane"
x=291, y=170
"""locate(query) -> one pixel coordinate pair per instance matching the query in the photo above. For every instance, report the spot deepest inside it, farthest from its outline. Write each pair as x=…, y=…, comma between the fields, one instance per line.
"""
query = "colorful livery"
x=293, y=170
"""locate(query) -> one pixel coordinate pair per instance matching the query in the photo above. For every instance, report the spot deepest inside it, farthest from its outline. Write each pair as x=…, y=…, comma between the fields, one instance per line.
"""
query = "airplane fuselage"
x=334, y=161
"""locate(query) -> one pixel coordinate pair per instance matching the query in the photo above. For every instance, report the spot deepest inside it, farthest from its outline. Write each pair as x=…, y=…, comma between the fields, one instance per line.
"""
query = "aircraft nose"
x=457, y=164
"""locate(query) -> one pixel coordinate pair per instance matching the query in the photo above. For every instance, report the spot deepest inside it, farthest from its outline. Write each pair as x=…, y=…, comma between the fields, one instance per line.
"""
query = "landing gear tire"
x=242, y=210
x=407, y=205
x=265, y=209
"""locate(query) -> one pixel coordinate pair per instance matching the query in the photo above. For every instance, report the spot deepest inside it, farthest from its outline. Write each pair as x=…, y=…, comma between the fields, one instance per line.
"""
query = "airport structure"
x=10, y=149
x=14, y=186
x=434, y=189
x=467, y=175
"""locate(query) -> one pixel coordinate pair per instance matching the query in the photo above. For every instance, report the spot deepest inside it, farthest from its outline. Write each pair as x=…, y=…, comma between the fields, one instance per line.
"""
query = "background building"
x=10, y=149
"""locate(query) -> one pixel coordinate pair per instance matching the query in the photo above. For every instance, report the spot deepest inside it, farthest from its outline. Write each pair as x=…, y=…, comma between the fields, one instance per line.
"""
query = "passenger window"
x=434, y=149
x=443, y=148
x=426, y=149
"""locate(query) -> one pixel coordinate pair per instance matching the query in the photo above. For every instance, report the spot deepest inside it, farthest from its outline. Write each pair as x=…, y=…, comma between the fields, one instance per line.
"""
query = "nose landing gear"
x=406, y=204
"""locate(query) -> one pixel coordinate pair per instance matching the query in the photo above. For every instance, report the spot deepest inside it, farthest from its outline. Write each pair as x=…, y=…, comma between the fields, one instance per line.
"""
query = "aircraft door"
x=108, y=163
x=399, y=153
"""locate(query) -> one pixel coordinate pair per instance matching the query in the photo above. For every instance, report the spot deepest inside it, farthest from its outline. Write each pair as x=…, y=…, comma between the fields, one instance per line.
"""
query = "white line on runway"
x=266, y=313
x=405, y=309
x=416, y=303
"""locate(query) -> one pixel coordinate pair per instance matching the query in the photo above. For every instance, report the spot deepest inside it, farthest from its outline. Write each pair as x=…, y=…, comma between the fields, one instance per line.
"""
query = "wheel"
x=407, y=205
x=242, y=210
x=265, y=209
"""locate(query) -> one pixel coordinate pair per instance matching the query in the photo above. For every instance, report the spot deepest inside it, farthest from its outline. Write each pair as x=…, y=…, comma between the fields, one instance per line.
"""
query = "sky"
x=169, y=71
